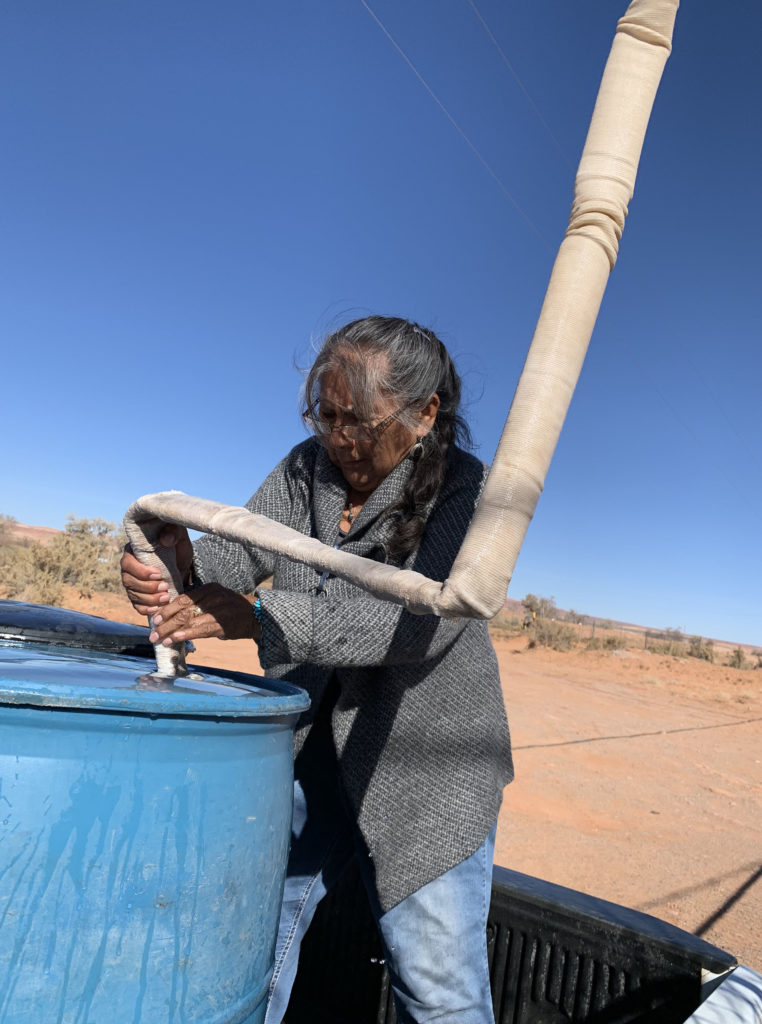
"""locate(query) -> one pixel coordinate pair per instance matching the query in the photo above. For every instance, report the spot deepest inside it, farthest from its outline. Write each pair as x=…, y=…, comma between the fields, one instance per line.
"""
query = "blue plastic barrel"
x=143, y=840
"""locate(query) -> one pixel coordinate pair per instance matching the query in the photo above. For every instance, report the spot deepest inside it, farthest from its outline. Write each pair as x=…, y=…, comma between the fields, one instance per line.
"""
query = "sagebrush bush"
x=85, y=555
x=550, y=633
x=737, y=658
x=673, y=648
x=6, y=527
x=24, y=578
x=666, y=641
x=700, y=648
x=505, y=625
x=613, y=642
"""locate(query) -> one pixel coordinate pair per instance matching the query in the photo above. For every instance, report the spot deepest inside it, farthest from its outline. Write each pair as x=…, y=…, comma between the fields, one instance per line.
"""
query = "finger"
x=202, y=628
x=145, y=599
x=182, y=609
x=210, y=610
x=132, y=565
x=196, y=627
x=177, y=615
x=210, y=597
x=141, y=586
x=145, y=605
x=185, y=611
x=153, y=610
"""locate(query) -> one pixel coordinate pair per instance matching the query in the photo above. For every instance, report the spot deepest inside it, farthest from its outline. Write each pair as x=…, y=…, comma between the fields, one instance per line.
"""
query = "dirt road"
x=639, y=780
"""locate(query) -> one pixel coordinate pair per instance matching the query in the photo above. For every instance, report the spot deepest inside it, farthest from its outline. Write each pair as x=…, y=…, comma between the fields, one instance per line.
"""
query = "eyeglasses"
x=323, y=427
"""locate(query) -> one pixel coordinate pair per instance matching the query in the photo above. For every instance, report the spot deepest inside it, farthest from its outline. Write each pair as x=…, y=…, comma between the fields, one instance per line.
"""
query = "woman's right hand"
x=144, y=584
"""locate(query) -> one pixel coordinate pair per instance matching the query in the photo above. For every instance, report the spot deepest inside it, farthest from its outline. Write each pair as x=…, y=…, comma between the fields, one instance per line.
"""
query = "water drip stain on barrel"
x=145, y=839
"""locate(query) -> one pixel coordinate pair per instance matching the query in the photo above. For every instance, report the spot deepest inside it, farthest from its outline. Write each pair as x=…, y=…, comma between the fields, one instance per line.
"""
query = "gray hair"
x=391, y=358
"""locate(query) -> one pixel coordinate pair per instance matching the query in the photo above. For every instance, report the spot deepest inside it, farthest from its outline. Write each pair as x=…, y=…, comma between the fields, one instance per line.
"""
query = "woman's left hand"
x=210, y=610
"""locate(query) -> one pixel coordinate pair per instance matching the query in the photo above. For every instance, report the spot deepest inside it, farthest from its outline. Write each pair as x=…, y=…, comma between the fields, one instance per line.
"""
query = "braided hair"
x=391, y=358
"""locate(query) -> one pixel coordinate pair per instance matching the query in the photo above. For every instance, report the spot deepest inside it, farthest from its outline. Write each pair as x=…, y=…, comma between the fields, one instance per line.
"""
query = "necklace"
x=350, y=514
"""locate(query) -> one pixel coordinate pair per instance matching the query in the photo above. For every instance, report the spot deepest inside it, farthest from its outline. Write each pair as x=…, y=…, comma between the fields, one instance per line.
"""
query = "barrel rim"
x=281, y=698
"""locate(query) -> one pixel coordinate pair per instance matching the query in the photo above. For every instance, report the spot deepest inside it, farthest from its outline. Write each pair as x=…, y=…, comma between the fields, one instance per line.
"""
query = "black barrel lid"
x=43, y=624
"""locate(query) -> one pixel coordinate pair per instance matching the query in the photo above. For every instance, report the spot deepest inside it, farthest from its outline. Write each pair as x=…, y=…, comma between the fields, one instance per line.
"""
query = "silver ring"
x=197, y=610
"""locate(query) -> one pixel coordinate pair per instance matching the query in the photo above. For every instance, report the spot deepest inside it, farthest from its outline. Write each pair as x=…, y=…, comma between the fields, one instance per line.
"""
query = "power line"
x=456, y=126
x=521, y=86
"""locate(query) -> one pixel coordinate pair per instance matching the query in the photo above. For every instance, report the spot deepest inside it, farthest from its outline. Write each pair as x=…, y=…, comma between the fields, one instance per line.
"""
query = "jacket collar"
x=330, y=498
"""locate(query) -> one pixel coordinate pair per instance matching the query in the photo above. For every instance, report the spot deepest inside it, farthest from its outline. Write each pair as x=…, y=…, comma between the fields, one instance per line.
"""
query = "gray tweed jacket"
x=419, y=725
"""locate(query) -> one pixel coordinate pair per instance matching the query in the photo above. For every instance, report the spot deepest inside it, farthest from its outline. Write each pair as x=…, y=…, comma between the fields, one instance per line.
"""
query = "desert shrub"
x=549, y=633
x=505, y=625
x=85, y=555
x=670, y=647
x=576, y=617
x=673, y=634
x=6, y=527
x=737, y=658
x=758, y=656
x=668, y=641
x=542, y=607
x=700, y=648
x=25, y=578
x=613, y=642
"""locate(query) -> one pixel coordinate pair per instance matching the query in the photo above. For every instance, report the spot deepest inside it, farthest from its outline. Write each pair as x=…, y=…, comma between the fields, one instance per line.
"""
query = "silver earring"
x=417, y=450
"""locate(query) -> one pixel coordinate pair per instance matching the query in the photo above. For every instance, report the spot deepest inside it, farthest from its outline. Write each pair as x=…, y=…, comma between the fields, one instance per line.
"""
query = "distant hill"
x=20, y=532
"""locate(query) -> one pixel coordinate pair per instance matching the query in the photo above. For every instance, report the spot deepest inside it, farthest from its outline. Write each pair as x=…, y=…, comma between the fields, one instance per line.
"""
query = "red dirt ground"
x=638, y=778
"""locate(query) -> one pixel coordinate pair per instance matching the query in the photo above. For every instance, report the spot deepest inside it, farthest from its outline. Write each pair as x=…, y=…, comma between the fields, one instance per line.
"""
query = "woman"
x=403, y=756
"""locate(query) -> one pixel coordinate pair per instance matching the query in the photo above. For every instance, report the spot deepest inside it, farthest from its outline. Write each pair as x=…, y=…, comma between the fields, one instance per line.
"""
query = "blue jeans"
x=434, y=940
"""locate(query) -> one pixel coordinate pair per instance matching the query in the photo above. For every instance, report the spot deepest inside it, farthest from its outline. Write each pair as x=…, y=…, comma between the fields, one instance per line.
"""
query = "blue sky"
x=194, y=192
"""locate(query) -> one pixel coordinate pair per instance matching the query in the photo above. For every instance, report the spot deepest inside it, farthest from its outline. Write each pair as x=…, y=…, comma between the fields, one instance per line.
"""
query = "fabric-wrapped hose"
x=484, y=566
